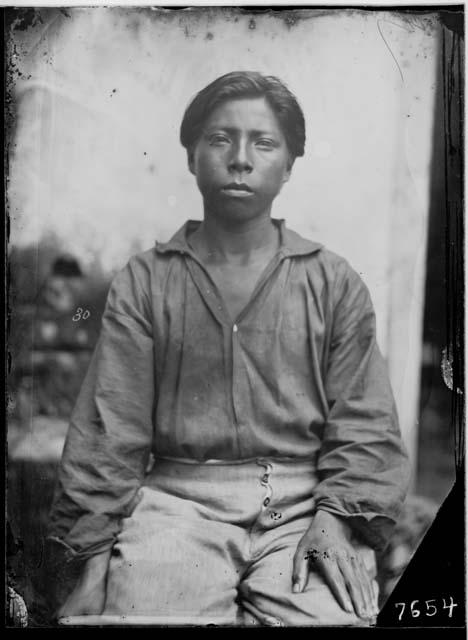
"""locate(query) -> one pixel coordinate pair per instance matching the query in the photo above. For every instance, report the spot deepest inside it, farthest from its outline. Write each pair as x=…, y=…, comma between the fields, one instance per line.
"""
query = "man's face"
x=241, y=159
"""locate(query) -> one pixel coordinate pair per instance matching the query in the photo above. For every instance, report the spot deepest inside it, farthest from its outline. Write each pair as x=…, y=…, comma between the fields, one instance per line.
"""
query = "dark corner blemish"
x=22, y=19
x=290, y=19
x=452, y=19
x=209, y=36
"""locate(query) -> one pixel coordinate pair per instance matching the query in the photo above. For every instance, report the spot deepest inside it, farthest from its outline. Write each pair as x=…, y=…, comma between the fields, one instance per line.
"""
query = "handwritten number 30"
x=80, y=315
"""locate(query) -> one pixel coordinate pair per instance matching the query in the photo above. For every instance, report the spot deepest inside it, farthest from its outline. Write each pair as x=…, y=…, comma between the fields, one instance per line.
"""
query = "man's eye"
x=218, y=139
x=265, y=143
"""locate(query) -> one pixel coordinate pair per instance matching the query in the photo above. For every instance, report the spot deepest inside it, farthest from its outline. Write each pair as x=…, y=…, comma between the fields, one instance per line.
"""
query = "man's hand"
x=326, y=547
x=89, y=595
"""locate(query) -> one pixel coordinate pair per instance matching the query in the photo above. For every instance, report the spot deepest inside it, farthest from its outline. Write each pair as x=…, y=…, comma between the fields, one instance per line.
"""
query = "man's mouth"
x=237, y=189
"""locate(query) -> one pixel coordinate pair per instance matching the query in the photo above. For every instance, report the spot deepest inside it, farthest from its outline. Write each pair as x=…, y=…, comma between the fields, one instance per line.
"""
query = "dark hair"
x=246, y=84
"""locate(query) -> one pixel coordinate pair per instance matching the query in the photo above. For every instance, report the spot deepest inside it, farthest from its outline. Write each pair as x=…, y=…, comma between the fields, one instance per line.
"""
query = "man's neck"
x=240, y=243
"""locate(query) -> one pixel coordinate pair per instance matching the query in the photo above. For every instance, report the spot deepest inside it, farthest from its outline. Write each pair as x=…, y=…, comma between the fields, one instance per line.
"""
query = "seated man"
x=243, y=357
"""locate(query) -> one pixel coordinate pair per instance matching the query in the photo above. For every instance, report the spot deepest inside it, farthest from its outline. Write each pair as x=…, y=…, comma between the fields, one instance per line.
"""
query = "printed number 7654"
x=431, y=608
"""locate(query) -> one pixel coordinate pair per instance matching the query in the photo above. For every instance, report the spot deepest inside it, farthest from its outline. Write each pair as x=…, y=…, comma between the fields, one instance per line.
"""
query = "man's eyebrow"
x=234, y=130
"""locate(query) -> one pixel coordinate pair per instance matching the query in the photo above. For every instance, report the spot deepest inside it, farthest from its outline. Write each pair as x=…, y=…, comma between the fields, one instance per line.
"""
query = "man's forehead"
x=255, y=113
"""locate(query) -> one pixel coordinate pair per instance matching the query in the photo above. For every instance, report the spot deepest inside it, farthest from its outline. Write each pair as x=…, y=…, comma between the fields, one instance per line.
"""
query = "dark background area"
x=435, y=577
x=443, y=331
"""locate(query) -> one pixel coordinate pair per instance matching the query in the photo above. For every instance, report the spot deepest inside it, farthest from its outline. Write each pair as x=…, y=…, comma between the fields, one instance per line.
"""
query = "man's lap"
x=193, y=568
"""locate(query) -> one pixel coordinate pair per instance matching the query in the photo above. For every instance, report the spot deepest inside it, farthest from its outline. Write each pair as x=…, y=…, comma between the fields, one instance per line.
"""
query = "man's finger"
x=329, y=569
x=367, y=586
x=353, y=580
x=375, y=593
x=300, y=569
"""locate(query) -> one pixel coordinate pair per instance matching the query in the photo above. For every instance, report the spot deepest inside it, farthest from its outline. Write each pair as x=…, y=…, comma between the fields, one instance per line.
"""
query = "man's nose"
x=240, y=159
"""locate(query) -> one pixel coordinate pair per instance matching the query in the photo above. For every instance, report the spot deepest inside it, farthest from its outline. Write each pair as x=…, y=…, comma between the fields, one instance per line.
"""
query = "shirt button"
x=266, y=502
x=234, y=328
x=265, y=478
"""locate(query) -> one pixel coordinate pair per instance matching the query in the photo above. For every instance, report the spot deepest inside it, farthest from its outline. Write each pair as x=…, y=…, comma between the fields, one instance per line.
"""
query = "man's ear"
x=287, y=173
x=191, y=160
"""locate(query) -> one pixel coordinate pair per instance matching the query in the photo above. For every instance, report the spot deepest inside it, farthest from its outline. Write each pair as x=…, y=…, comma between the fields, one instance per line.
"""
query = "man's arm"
x=111, y=429
x=88, y=596
x=362, y=465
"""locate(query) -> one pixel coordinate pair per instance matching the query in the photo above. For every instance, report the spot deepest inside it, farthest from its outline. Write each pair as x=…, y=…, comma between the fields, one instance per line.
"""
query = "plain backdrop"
x=96, y=159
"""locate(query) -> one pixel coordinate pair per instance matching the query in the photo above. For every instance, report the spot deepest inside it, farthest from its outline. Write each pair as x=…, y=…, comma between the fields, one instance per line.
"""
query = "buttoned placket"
x=214, y=300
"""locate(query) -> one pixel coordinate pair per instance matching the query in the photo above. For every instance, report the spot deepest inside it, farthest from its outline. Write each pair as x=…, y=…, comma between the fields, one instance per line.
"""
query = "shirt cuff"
x=70, y=555
x=371, y=527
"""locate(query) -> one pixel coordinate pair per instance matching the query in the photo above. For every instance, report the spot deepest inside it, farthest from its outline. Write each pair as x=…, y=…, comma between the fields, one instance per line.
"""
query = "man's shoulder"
x=148, y=261
x=328, y=268
x=321, y=257
x=143, y=259
x=337, y=263
x=137, y=272
x=160, y=254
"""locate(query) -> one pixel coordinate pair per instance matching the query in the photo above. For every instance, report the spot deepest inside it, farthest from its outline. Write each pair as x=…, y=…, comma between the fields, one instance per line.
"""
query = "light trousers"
x=213, y=543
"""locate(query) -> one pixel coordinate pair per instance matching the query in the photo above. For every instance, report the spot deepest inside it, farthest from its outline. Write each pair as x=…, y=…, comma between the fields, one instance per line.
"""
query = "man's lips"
x=237, y=189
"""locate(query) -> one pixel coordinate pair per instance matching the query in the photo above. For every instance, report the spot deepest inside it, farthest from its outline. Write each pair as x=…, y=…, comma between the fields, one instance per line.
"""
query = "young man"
x=243, y=357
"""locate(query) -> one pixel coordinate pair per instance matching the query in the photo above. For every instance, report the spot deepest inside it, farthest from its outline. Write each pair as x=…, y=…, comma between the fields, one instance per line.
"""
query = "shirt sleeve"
x=109, y=438
x=363, y=465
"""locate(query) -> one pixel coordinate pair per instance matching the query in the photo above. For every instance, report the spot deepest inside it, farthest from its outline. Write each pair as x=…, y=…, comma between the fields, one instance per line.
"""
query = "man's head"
x=242, y=134
x=246, y=84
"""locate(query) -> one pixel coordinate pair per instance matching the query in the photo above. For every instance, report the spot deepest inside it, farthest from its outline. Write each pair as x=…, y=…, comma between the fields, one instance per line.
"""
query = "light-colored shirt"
x=298, y=374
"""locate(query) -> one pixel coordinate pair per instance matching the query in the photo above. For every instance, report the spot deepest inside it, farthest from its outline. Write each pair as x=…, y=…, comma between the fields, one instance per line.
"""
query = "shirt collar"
x=292, y=244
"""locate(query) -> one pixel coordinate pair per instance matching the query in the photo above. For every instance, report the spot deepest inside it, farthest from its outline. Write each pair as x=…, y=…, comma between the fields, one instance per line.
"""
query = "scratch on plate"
x=388, y=47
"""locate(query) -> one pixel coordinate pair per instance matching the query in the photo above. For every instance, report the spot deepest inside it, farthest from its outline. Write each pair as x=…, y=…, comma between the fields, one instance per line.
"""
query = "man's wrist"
x=97, y=564
x=326, y=518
